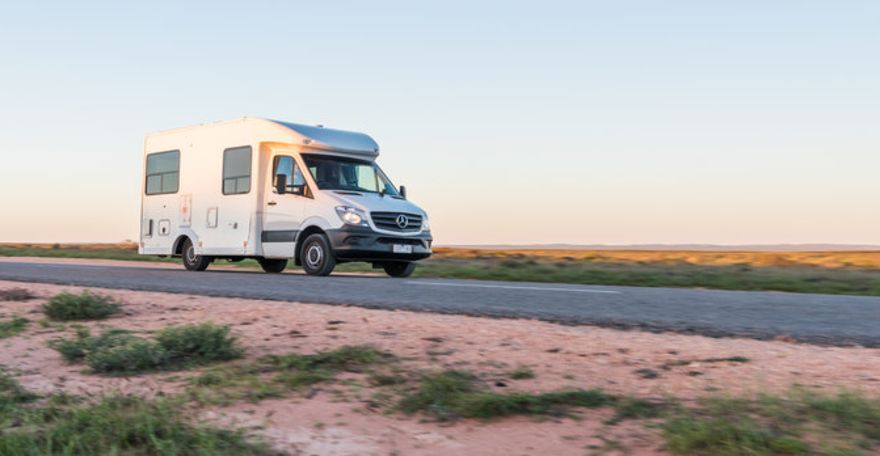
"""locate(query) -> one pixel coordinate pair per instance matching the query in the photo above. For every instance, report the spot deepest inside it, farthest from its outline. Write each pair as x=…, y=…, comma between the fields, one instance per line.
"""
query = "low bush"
x=120, y=351
x=201, y=343
x=13, y=327
x=84, y=306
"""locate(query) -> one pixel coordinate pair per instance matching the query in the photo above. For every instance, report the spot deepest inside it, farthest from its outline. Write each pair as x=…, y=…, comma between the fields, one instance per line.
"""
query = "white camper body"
x=273, y=191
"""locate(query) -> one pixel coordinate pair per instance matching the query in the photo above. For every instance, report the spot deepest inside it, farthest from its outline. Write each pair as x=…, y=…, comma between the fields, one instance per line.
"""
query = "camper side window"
x=237, y=170
x=163, y=173
x=285, y=165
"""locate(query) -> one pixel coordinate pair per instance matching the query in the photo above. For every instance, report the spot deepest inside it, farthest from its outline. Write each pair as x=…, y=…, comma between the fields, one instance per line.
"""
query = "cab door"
x=283, y=213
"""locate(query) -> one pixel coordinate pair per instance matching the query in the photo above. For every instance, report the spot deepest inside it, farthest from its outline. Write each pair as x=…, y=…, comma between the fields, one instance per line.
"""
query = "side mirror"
x=281, y=183
x=403, y=191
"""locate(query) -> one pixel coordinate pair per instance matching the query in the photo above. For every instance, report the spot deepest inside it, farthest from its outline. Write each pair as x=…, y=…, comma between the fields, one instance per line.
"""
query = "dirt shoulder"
x=331, y=420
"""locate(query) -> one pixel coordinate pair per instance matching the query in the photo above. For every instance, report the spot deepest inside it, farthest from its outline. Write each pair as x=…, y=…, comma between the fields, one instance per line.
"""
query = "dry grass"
x=824, y=259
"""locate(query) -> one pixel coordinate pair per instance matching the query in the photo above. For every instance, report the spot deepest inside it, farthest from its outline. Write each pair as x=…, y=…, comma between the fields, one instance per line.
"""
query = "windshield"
x=337, y=173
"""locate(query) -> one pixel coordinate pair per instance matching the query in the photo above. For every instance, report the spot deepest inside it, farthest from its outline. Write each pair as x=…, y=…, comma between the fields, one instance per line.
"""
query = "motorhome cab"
x=275, y=191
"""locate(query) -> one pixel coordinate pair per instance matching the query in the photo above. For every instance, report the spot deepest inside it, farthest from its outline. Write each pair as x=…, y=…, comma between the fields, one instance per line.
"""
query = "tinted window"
x=337, y=173
x=163, y=172
x=237, y=170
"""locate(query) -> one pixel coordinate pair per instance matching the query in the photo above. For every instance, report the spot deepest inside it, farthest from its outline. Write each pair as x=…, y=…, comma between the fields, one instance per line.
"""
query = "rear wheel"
x=317, y=256
x=272, y=266
x=191, y=261
x=399, y=269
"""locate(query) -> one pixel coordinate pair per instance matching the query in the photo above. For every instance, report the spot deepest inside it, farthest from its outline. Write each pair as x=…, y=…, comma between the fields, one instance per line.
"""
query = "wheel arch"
x=301, y=237
x=182, y=236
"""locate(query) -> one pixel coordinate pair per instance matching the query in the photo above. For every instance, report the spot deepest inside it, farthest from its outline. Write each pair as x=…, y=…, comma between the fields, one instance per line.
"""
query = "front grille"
x=388, y=221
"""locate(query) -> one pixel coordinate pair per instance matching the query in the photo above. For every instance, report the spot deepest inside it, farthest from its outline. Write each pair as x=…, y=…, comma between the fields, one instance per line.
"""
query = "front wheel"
x=317, y=256
x=399, y=269
x=191, y=261
x=272, y=266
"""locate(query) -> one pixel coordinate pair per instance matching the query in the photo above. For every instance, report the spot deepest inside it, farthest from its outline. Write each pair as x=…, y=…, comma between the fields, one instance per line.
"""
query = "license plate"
x=401, y=248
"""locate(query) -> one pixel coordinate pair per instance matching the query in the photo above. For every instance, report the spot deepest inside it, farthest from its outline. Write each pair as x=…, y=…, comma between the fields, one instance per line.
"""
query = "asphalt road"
x=822, y=319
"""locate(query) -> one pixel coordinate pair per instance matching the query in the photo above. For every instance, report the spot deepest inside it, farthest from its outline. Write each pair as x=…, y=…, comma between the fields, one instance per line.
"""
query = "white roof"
x=319, y=137
x=312, y=137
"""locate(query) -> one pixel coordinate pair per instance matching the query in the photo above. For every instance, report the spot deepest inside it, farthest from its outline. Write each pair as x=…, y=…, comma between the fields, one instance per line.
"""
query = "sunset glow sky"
x=509, y=122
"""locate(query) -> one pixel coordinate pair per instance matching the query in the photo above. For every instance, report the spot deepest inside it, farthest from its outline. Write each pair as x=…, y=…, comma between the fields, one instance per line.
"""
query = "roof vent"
x=319, y=126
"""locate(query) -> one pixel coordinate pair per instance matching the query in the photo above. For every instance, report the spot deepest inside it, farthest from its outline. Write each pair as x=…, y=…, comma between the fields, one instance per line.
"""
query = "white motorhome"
x=274, y=191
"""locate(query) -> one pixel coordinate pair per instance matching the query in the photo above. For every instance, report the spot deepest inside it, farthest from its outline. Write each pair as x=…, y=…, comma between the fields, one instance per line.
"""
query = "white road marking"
x=514, y=287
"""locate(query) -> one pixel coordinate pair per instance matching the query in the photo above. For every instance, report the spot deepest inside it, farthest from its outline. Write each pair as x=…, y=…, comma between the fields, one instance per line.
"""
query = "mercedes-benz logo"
x=402, y=221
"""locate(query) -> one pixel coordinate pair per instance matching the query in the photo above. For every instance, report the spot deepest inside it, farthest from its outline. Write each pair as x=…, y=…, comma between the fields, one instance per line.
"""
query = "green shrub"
x=120, y=351
x=76, y=349
x=127, y=355
x=201, y=343
x=13, y=327
x=84, y=306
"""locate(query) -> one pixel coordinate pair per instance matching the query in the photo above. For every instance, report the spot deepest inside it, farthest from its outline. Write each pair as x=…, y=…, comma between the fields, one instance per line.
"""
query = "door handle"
x=272, y=203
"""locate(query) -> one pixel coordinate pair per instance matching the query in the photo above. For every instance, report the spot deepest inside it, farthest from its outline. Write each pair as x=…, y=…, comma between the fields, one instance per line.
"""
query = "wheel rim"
x=191, y=254
x=314, y=255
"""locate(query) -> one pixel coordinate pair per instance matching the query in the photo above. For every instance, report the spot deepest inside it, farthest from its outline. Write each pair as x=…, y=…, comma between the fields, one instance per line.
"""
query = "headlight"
x=351, y=215
x=425, y=225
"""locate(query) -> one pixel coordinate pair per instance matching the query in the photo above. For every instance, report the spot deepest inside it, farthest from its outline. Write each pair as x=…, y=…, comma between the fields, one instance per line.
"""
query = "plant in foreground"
x=120, y=351
x=13, y=327
x=84, y=306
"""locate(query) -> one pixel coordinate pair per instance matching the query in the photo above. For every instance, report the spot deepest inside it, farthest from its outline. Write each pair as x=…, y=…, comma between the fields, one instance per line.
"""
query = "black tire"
x=399, y=269
x=272, y=266
x=317, y=255
x=191, y=261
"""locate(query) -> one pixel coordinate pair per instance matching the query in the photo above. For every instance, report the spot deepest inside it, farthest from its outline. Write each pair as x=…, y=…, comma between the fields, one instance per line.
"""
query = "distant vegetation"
x=846, y=272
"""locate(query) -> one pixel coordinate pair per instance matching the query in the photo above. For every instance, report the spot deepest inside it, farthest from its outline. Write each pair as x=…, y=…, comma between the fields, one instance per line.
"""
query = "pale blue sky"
x=510, y=122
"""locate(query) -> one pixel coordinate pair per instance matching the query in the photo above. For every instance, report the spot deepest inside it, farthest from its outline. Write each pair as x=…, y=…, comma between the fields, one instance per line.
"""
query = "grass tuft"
x=522, y=373
x=275, y=375
x=456, y=394
x=84, y=306
x=119, y=425
x=695, y=435
x=352, y=358
x=13, y=327
x=847, y=422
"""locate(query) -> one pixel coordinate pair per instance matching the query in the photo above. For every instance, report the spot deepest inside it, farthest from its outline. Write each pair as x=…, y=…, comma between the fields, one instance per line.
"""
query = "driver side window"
x=284, y=164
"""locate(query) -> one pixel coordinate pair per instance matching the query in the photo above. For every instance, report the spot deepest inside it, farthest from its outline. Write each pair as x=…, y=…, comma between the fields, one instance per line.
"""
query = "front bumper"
x=361, y=243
